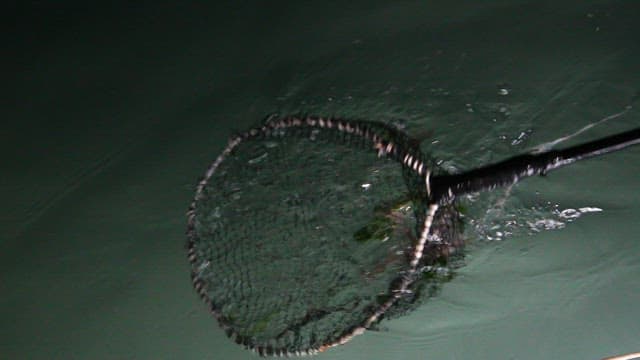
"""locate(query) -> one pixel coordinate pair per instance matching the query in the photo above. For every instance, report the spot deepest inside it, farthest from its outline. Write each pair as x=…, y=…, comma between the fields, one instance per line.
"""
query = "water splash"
x=501, y=221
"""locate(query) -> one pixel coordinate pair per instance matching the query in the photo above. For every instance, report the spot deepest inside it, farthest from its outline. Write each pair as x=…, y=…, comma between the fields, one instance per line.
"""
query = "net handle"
x=446, y=187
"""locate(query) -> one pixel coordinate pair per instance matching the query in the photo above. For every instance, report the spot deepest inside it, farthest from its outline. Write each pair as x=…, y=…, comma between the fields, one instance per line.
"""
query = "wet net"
x=306, y=231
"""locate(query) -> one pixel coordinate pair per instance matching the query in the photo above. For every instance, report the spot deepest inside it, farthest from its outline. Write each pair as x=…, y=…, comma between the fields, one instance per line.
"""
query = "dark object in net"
x=306, y=231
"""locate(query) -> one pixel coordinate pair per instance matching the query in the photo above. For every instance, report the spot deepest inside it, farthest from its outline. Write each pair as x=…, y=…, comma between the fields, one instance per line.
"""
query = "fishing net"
x=306, y=231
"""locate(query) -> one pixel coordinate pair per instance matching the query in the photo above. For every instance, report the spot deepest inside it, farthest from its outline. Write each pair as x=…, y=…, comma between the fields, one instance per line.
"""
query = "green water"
x=110, y=115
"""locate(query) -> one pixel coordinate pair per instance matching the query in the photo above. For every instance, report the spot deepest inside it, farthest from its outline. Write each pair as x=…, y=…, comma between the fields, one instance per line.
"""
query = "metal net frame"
x=386, y=142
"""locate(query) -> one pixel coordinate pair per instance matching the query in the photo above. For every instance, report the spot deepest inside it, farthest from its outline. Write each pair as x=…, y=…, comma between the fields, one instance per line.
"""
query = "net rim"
x=410, y=159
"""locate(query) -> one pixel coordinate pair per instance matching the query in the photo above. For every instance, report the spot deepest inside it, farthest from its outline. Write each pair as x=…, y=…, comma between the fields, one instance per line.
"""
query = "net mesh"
x=302, y=234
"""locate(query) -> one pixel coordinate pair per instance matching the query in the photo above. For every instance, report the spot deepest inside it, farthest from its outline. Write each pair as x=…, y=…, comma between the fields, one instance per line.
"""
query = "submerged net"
x=305, y=232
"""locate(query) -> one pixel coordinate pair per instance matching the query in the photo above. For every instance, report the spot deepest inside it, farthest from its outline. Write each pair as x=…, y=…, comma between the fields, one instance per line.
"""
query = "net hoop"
x=384, y=147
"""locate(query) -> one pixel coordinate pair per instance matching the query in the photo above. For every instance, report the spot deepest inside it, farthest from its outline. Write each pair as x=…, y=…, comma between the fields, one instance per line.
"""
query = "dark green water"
x=110, y=115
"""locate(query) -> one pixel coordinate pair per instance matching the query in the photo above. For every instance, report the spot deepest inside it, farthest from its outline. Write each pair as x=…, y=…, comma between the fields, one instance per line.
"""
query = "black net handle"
x=447, y=187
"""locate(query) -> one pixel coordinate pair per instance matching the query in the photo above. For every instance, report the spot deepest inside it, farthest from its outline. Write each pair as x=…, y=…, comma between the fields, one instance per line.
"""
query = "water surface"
x=112, y=114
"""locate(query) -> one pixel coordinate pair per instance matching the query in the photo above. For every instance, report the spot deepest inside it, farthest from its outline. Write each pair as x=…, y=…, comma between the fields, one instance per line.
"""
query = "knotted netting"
x=306, y=231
